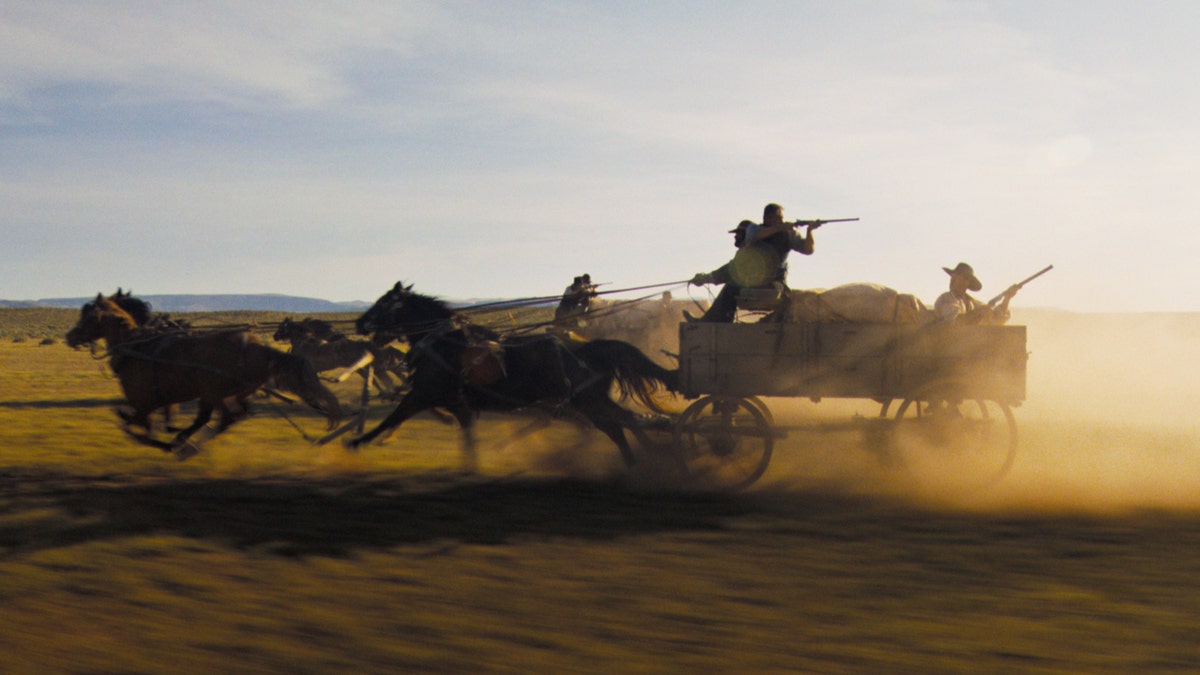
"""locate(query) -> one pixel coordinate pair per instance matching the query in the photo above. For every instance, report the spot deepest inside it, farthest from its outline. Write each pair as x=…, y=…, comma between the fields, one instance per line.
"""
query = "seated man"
x=957, y=306
x=760, y=262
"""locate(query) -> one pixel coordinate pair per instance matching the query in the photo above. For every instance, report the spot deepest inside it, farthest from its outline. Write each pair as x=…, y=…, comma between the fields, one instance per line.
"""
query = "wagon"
x=945, y=388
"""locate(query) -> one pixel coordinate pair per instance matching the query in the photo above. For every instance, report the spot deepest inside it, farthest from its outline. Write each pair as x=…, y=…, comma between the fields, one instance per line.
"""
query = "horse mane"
x=112, y=307
x=425, y=303
x=138, y=309
x=442, y=310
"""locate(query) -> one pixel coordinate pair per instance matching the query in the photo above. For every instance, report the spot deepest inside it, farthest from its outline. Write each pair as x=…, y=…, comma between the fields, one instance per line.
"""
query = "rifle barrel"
x=1019, y=285
x=820, y=221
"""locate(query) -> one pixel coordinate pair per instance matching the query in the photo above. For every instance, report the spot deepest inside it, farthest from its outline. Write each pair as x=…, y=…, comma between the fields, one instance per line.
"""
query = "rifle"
x=818, y=223
x=1017, y=286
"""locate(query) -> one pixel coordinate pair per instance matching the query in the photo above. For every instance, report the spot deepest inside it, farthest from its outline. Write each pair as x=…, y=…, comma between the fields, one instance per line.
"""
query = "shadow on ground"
x=303, y=516
x=64, y=403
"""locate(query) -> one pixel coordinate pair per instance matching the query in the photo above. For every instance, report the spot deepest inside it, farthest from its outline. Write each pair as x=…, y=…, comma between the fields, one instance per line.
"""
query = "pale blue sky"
x=500, y=148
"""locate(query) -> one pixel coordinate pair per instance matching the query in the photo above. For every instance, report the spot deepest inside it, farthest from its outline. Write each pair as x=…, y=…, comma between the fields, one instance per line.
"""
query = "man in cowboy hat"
x=955, y=305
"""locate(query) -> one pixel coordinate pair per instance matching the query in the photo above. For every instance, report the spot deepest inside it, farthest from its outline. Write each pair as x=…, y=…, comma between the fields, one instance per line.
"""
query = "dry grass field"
x=265, y=553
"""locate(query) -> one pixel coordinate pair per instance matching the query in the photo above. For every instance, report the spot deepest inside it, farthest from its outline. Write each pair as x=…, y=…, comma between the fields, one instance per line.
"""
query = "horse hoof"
x=186, y=451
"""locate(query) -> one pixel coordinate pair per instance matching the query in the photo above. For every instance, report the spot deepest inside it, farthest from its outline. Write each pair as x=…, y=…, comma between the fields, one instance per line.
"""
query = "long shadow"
x=63, y=403
x=300, y=516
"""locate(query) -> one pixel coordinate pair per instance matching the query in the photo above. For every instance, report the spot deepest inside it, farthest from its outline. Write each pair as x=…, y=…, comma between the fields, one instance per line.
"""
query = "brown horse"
x=219, y=370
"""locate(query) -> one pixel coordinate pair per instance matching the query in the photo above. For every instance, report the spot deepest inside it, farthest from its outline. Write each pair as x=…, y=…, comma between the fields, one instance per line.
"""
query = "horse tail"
x=635, y=374
x=296, y=374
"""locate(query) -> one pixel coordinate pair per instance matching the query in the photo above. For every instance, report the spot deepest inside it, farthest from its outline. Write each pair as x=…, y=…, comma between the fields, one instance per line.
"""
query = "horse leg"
x=409, y=406
x=203, y=415
x=613, y=430
x=611, y=419
x=141, y=418
x=466, y=419
x=229, y=414
x=379, y=378
x=137, y=418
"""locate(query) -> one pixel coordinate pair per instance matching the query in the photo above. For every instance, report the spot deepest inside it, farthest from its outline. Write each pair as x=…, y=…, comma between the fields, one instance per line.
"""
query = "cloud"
x=589, y=134
x=233, y=52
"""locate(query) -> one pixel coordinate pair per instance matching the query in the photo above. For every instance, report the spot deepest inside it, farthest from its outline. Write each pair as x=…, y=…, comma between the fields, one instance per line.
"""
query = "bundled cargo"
x=854, y=303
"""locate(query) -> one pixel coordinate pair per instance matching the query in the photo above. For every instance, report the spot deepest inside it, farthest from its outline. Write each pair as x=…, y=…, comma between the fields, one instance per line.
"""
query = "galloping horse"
x=468, y=369
x=220, y=370
x=326, y=349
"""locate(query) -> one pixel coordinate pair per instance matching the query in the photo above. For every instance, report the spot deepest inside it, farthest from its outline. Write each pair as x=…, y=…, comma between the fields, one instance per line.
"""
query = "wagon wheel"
x=762, y=408
x=724, y=442
x=973, y=436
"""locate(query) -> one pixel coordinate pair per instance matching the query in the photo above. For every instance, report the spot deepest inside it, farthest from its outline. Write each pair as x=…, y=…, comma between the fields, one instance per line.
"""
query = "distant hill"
x=213, y=303
x=265, y=302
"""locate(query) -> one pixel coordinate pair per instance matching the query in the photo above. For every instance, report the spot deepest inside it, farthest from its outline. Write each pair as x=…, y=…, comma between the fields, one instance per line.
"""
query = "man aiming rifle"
x=761, y=260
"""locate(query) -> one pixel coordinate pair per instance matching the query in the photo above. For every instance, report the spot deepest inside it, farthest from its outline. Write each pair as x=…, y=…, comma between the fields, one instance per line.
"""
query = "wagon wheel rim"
x=762, y=408
x=976, y=436
x=724, y=443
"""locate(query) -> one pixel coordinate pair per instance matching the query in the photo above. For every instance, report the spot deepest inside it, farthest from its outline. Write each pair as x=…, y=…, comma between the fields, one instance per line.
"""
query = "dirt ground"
x=267, y=554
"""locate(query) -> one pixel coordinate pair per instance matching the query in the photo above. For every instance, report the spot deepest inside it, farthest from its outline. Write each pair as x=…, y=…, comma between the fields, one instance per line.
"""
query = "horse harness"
x=483, y=362
x=162, y=341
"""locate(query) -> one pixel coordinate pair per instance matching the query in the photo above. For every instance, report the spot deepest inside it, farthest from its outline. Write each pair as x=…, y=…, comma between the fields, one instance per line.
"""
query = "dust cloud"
x=1109, y=425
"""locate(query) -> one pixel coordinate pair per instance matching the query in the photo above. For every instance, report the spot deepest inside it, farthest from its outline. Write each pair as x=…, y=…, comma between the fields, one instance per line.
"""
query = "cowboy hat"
x=965, y=270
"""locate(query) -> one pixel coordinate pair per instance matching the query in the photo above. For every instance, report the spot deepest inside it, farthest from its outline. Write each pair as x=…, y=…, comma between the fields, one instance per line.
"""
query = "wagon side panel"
x=986, y=362
x=743, y=359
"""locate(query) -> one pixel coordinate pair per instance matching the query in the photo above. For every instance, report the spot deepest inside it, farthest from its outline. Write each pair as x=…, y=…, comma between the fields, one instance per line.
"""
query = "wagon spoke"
x=724, y=443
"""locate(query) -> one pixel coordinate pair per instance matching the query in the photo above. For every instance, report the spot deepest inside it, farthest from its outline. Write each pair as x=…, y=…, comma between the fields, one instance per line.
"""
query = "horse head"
x=99, y=319
x=397, y=309
x=286, y=330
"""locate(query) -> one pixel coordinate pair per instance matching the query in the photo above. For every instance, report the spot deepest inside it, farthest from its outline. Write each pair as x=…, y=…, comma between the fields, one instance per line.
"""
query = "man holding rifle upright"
x=956, y=306
x=761, y=260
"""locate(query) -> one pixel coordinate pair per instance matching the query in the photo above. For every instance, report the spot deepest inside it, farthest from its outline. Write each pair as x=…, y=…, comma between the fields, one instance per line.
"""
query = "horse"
x=468, y=369
x=327, y=349
x=220, y=370
x=148, y=320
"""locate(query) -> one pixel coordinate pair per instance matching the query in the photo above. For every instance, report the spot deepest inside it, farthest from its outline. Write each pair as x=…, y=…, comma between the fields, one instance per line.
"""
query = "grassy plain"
x=267, y=554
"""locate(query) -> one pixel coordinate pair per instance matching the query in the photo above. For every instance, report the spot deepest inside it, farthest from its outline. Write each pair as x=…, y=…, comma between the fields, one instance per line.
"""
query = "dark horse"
x=467, y=369
x=220, y=370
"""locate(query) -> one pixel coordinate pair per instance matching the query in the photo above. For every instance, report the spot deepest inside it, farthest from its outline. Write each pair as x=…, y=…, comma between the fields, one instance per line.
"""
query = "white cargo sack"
x=856, y=303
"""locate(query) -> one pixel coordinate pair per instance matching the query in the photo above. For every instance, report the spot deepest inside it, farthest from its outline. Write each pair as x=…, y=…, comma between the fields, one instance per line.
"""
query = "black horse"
x=467, y=369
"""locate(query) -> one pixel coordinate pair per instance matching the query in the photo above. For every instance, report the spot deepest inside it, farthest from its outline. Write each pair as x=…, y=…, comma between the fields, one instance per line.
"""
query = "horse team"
x=450, y=365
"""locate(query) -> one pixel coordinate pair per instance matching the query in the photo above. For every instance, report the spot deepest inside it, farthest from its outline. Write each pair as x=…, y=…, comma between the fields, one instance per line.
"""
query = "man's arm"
x=805, y=245
x=947, y=308
x=717, y=276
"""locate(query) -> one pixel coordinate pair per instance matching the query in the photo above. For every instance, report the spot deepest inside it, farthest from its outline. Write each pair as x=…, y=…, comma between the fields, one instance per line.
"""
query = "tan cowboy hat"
x=965, y=270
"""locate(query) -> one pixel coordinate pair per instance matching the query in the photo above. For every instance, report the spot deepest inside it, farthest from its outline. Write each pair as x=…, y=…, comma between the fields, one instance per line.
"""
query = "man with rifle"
x=575, y=300
x=957, y=306
x=761, y=260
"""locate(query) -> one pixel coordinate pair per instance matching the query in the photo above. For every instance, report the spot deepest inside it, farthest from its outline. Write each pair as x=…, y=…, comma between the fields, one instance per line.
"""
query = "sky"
x=485, y=149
